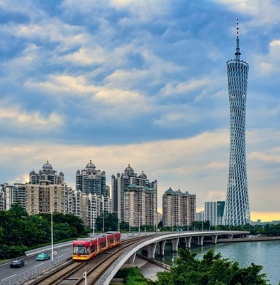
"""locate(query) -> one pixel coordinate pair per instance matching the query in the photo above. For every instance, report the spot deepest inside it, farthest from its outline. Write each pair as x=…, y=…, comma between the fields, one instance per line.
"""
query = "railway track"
x=73, y=272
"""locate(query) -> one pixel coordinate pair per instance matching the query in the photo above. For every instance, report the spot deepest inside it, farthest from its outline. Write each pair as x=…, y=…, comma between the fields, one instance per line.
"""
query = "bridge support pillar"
x=175, y=244
x=131, y=259
x=214, y=239
x=151, y=250
x=188, y=242
x=200, y=240
x=161, y=247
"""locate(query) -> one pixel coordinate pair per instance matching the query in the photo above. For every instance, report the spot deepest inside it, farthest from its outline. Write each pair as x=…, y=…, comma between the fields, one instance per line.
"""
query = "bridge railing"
x=23, y=277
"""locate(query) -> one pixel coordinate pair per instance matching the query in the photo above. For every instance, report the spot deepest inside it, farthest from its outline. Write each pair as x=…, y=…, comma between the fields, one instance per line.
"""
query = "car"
x=42, y=256
x=17, y=263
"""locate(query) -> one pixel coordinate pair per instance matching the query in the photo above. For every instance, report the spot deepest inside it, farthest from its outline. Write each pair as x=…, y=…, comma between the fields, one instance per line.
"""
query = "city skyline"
x=144, y=84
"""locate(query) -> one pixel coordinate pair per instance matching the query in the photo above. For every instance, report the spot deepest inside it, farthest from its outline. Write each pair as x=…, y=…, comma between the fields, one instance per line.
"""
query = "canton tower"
x=237, y=210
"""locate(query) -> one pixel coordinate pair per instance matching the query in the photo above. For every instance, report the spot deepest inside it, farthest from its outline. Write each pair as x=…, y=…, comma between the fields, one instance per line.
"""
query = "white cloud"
x=265, y=65
x=173, y=88
x=177, y=115
x=86, y=56
x=58, y=84
x=262, y=13
x=272, y=156
x=118, y=96
x=16, y=117
x=143, y=10
x=133, y=77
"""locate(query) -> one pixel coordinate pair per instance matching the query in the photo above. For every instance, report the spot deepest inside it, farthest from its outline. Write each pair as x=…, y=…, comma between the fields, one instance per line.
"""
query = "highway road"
x=8, y=274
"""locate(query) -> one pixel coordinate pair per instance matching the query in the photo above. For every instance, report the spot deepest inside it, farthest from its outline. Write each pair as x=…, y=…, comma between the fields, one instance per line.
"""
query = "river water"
x=265, y=253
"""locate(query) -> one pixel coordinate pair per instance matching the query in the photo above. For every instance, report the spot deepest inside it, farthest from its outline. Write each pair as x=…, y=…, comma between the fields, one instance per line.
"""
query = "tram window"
x=81, y=250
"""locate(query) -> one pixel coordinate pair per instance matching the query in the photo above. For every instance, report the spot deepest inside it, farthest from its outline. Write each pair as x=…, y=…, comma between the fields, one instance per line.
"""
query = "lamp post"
x=52, y=235
x=119, y=225
x=103, y=212
x=139, y=223
x=103, y=221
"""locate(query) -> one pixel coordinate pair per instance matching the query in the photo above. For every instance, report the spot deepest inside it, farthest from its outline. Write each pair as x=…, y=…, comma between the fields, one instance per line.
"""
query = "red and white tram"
x=87, y=248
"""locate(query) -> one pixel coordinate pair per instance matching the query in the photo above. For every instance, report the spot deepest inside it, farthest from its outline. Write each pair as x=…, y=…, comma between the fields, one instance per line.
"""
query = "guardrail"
x=48, y=247
x=24, y=277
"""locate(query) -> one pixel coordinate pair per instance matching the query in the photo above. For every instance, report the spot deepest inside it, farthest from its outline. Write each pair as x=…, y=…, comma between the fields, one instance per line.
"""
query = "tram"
x=88, y=248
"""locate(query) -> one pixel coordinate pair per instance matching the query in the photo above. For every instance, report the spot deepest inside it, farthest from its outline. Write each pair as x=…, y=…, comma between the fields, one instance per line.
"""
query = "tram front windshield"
x=80, y=249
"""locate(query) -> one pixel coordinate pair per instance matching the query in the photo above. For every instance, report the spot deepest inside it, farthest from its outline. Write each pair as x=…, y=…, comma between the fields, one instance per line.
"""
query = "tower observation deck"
x=237, y=210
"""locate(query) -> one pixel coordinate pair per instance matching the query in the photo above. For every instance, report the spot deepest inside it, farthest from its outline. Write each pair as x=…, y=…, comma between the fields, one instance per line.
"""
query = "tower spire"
x=237, y=49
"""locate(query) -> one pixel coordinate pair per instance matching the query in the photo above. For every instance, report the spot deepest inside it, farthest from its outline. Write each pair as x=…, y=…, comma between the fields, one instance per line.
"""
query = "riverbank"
x=251, y=239
x=148, y=268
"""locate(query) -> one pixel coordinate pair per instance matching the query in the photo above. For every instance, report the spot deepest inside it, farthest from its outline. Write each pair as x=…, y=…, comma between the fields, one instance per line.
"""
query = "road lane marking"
x=8, y=277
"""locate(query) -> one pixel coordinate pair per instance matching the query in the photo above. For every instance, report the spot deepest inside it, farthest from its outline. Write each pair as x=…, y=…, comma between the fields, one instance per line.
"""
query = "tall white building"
x=213, y=212
x=92, y=180
x=140, y=206
x=210, y=212
x=11, y=194
x=134, y=198
x=47, y=192
x=178, y=208
x=199, y=217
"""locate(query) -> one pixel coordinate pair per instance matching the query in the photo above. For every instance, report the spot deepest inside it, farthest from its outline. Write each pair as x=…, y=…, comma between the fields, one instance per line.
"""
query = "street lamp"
x=52, y=235
x=103, y=221
x=119, y=225
x=139, y=223
x=103, y=212
x=93, y=224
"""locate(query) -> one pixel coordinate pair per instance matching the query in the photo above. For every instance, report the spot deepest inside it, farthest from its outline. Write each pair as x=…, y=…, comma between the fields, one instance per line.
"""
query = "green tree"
x=17, y=211
x=20, y=232
x=212, y=269
x=109, y=220
x=124, y=226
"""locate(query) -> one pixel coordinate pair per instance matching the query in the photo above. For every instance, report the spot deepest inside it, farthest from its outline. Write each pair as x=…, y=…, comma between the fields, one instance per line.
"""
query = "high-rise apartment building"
x=140, y=205
x=237, y=210
x=220, y=212
x=178, y=208
x=90, y=180
x=199, y=216
x=45, y=191
x=210, y=212
x=11, y=194
x=86, y=206
x=134, y=198
x=213, y=212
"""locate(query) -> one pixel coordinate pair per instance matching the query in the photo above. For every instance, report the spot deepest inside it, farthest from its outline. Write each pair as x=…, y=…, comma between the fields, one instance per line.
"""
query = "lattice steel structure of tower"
x=237, y=211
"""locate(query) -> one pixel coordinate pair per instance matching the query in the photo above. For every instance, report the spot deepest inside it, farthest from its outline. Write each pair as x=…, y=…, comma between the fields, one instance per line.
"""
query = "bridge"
x=157, y=242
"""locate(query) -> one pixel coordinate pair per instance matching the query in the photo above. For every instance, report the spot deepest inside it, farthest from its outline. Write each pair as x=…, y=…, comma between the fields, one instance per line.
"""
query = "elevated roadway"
x=158, y=242
x=154, y=244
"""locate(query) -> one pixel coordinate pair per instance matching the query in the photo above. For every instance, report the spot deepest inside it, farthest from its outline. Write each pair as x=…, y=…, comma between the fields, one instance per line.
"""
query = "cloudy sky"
x=143, y=83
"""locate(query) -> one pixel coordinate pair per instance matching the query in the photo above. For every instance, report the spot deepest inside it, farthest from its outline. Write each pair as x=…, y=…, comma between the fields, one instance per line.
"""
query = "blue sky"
x=143, y=83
